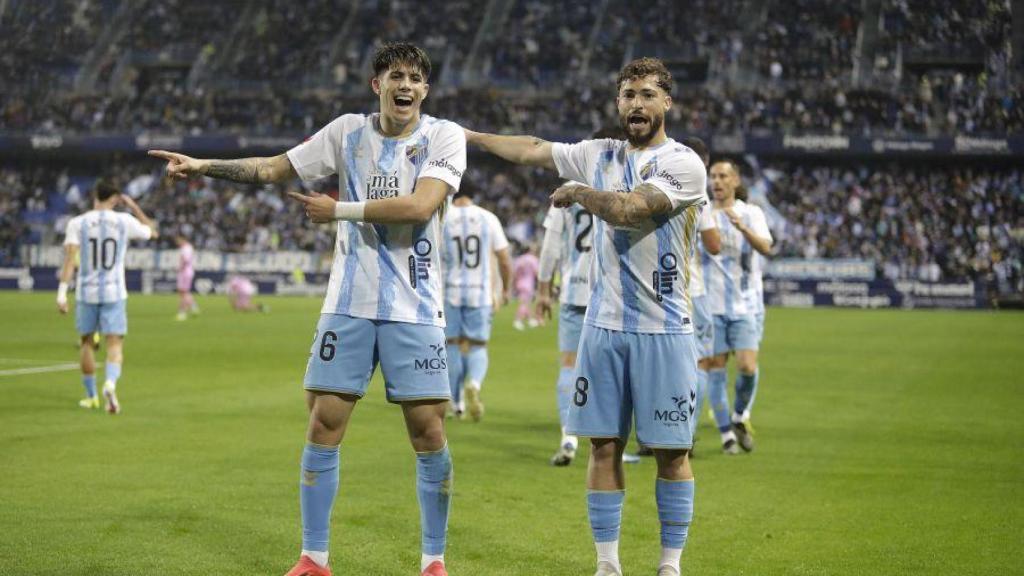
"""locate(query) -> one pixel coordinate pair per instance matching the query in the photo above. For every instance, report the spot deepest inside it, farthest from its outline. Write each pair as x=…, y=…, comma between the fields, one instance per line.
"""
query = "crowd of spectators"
x=924, y=221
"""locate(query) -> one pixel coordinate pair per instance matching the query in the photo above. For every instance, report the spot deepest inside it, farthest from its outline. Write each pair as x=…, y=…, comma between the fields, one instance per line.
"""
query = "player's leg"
x=424, y=421
x=601, y=409
x=718, y=393
x=114, y=326
x=341, y=361
x=674, y=493
x=570, y=324
x=182, y=305
x=416, y=375
x=453, y=351
x=745, y=342
x=477, y=328
x=87, y=318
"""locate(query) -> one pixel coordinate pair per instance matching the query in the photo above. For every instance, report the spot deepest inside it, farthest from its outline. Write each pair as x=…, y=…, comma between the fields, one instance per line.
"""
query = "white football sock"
x=726, y=436
x=670, y=557
x=427, y=559
x=609, y=552
x=319, y=557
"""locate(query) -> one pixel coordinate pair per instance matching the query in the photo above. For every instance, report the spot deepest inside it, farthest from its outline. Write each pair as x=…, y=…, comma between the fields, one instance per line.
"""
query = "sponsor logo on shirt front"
x=665, y=276
x=419, y=262
x=380, y=185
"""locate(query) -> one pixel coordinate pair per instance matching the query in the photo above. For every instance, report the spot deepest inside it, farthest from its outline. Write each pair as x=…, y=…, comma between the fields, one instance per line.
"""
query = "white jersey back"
x=640, y=276
x=471, y=235
x=384, y=271
x=102, y=237
x=704, y=223
x=574, y=227
x=727, y=275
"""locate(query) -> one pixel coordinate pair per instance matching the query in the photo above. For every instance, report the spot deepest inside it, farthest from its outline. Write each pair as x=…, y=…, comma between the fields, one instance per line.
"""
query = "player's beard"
x=640, y=140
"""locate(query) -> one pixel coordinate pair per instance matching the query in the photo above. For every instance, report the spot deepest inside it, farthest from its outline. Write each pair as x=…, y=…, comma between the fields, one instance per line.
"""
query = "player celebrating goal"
x=395, y=169
x=637, y=357
x=101, y=237
x=471, y=236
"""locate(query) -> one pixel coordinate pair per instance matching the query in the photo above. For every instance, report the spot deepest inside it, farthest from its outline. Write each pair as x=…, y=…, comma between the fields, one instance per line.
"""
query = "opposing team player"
x=727, y=278
x=568, y=247
x=186, y=273
x=524, y=271
x=99, y=240
x=384, y=304
x=472, y=235
x=637, y=357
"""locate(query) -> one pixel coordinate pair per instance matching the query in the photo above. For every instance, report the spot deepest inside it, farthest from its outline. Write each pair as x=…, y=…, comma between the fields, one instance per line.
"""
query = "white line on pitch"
x=26, y=360
x=39, y=369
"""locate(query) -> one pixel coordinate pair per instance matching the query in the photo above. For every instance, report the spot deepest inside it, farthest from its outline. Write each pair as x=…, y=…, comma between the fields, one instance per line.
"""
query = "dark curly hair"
x=642, y=67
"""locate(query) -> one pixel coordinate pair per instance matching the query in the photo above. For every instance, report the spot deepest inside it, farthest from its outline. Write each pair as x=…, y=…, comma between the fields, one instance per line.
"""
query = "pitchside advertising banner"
x=789, y=281
x=768, y=144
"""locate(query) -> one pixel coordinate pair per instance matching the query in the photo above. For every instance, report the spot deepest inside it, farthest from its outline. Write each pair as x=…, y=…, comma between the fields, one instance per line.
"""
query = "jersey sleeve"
x=682, y=177
x=554, y=221
x=136, y=230
x=577, y=161
x=497, y=232
x=446, y=155
x=317, y=157
x=759, y=224
x=72, y=232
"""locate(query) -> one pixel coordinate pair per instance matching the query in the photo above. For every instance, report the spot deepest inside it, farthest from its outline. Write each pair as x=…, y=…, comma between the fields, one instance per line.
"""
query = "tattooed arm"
x=248, y=170
x=630, y=210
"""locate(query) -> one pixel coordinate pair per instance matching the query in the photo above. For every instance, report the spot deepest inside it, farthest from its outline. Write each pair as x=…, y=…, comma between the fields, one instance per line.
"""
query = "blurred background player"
x=186, y=273
x=755, y=301
x=727, y=278
x=383, y=305
x=240, y=293
x=524, y=270
x=637, y=358
x=98, y=240
x=568, y=247
x=472, y=235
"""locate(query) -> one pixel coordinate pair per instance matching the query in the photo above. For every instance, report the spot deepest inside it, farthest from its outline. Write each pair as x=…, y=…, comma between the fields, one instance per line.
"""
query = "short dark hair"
x=643, y=67
x=105, y=189
x=698, y=146
x=615, y=132
x=741, y=193
x=394, y=53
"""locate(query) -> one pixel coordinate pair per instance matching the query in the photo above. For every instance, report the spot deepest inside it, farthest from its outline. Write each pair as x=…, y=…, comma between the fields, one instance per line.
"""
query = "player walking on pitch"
x=637, y=355
x=100, y=237
x=186, y=273
x=727, y=281
x=471, y=235
x=396, y=169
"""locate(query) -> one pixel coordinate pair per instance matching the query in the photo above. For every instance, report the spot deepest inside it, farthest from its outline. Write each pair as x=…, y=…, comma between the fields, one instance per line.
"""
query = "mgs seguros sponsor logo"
x=434, y=362
x=681, y=411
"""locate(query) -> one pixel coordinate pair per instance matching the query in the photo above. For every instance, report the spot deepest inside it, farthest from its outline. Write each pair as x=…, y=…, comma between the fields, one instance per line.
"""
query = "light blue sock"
x=746, y=387
x=605, y=511
x=702, y=392
x=476, y=363
x=89, y=381
x=719, y=397
x=564, y=393
x=675, y=511
x=455, y=371
x=317, y=487
x=113, y=372
x=434, y=490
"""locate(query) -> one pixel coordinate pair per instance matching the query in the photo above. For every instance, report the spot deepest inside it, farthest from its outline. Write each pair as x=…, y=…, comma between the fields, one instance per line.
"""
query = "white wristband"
x=62, y=293
x=351, y=211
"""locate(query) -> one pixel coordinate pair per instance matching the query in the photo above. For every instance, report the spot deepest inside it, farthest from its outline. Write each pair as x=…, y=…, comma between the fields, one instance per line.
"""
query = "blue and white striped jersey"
x=471, y=235
x=574, y=227
x=640, y=276
x=704, y=223
x=384, y=271
x=103, y=236
x=755, y=292
x=728, y=275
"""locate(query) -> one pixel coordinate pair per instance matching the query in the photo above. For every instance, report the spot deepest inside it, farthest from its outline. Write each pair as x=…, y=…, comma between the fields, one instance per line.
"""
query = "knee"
x=568, y=359
x=717, y=362
x=672, y=464
x=428, y=439
x=604, y=450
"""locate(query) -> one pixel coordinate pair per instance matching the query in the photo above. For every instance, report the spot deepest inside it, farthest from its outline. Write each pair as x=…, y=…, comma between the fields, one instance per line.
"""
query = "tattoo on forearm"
x=620, y=209
x=249, y=170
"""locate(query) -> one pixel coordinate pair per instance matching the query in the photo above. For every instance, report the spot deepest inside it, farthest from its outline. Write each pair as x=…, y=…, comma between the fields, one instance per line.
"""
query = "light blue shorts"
x=106, y=318
x=570, y=325
x=473, y=322
x=735, y=333
x=703, y=328
x=346, y=351
x=759, y=318
x=623, y=376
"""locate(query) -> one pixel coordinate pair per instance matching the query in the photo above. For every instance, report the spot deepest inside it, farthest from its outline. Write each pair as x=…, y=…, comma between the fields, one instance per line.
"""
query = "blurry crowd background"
x=287, y=67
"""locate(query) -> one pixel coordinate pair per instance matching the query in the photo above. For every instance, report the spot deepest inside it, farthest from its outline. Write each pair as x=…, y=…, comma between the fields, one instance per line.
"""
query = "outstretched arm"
x=261, y=170
x=528, y=150
x=628, y=209
x=416, y=208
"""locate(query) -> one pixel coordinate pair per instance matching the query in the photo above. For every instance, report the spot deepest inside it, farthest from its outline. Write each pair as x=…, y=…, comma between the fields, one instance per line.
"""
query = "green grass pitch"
x=889, y=442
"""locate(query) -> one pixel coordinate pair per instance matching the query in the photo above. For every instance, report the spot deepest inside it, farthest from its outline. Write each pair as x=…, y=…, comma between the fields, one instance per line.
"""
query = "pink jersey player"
x=524, y=281
x=186, y=273
x=240, y=293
